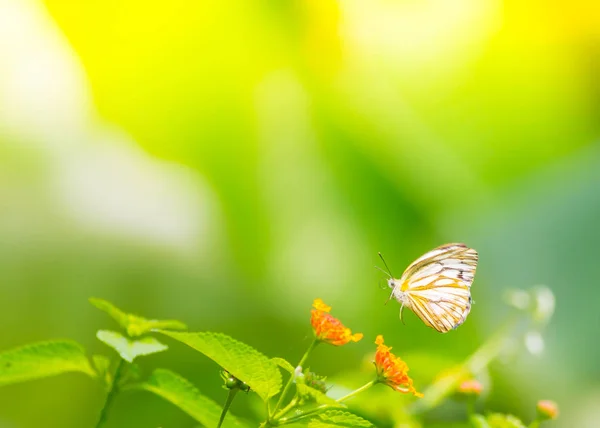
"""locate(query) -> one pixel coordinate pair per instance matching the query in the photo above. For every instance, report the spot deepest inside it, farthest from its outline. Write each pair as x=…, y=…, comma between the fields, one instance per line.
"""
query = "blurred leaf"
x=284, y=364
x=498, y=420
x=338, y=418
x=102, y=365
x=478, y=421
x=130, y=349
x=179, y=391
x=316, y=396
x=239, y=359
x=114, y=312
x=43, y=359
x=133, y=324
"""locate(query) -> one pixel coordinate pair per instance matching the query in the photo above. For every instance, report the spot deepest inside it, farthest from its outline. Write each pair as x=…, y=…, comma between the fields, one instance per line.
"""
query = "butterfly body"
x=437, y=286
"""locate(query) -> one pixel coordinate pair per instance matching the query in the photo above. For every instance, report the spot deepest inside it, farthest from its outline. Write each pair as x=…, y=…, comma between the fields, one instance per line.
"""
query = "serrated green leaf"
x=239, y=359
x=43, y=359
x=185, y=395
x=499, y=420
x=339, y=418
x=128, y=349
x=316, y=396
x=284, y=364
x=135, y=325
x=315, y=423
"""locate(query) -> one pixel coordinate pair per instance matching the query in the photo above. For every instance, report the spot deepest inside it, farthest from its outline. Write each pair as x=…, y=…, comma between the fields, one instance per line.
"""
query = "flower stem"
x=230, y=397
x=470, y=406
x=358, y=391
x=287, y=408
x=288, y=385
x=535, y=424
x=319, y=409
x=478, y=361
x=112, y=392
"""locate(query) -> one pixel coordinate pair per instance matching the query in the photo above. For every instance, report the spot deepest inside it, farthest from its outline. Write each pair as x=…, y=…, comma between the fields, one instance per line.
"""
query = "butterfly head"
x=398, y=290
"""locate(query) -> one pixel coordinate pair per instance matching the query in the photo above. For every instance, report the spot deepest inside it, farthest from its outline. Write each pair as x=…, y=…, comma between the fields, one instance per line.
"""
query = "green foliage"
x=135, y=325
x=239, y=359
x=338, y=418
x=102, y=365
x=284, y=364
x=478, y=421
x=128, y=349
x=499, y=420
x=186, y=396
x=311, y=394
x=43, y=359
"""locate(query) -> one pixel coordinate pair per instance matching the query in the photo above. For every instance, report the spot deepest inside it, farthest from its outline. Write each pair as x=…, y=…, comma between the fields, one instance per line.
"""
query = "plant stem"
x=479, y=360
x=319, y=409
x=112, y=392
x=287, y=408
x=471, y=406
x=288, y=385
x=284, y=421
x=230, y=398
x=535, y=424
x=358, y=391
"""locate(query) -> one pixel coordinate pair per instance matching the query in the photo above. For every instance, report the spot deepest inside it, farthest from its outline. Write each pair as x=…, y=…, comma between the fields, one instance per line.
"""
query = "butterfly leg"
x=401, y=308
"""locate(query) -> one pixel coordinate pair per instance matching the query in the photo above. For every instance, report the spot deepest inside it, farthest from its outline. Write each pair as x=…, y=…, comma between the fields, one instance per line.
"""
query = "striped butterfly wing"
x=438, y=285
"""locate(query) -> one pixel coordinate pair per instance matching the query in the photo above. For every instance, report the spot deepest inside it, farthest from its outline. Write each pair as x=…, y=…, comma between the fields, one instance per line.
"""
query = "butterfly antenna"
x=384, y=271
x=389, y=272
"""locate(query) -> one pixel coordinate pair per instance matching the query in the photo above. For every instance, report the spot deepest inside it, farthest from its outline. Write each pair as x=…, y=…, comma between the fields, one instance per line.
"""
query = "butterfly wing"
x=438, y=285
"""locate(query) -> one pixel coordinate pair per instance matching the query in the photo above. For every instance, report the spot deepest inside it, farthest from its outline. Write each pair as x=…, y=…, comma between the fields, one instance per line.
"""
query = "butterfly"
x=437, y=286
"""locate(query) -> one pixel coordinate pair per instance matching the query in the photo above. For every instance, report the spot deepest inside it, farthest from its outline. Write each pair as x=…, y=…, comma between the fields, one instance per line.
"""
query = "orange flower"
x=329, y=329
x=470, y=387
x=391, y=370
x=547, y=409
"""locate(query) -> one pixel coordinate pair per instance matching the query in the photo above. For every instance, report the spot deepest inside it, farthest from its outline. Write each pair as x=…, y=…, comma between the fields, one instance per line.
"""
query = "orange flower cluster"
x=547, y=409
x=470, y=387
x=391, y=370
x=328, y=328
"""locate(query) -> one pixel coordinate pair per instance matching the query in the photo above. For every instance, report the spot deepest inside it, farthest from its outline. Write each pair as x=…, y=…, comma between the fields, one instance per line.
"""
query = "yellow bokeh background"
x=226, y=162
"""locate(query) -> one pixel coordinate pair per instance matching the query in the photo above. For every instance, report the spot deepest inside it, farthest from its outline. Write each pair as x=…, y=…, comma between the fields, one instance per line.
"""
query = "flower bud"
x=470, y=387
x=547, y=409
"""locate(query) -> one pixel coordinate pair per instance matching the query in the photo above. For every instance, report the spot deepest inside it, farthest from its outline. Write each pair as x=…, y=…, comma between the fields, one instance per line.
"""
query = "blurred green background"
x=225, y=163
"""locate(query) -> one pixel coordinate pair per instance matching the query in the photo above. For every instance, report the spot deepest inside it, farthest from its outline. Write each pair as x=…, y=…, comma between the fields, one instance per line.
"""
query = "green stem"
x=535, y=424
x=112, y=392
x=286, y=409
x=358, y=391
x=228, y=402
x=479, y=360
x=319, y=409
x=471, y=406
x=314, y=343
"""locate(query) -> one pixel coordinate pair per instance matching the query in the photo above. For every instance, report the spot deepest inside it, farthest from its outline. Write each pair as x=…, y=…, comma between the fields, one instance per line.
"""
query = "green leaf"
x=315, y=423
x=314, y=395
x=102, y=365
x=499, y=420
x=284, y=364
x=478, y=421
x=239, y=359
x=338, y=418
x=133, y=324
x=183, y=394
x=117, y=314
x=130, y=349
x=43, y=359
